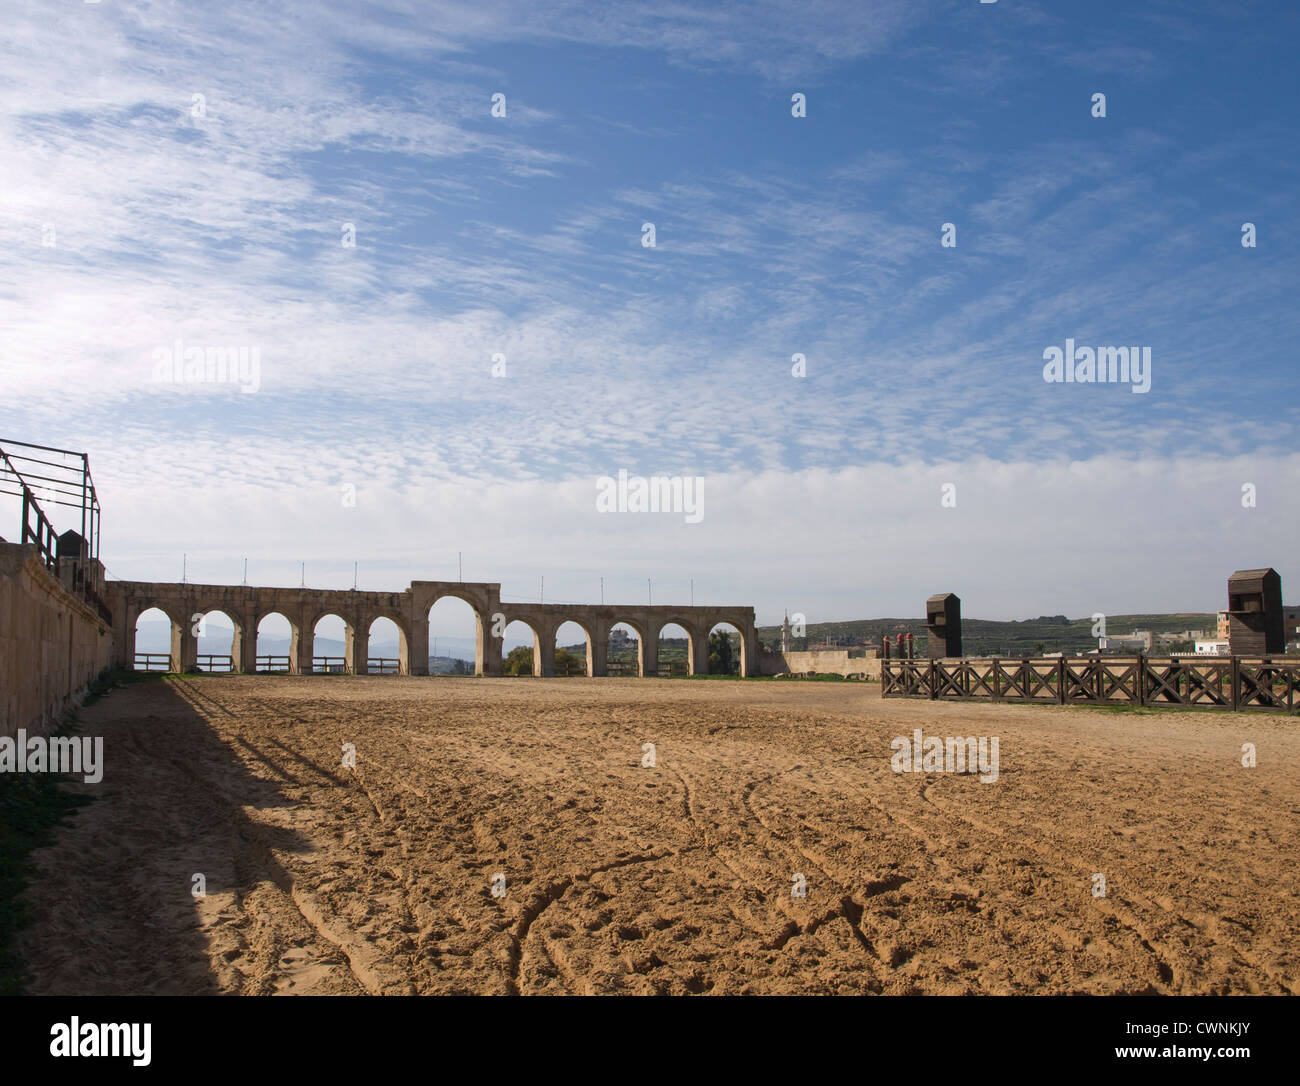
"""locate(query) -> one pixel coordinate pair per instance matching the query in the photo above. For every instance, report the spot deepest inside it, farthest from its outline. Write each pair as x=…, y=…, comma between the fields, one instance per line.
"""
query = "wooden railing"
x=383, y=665
x=329, y=665
x=272, y=664
x=153, y=661
x=207, y=661
x=1224, y=682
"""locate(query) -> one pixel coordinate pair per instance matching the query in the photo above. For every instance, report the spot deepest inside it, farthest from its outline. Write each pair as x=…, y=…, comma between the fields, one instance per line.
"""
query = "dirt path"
x=676, y=878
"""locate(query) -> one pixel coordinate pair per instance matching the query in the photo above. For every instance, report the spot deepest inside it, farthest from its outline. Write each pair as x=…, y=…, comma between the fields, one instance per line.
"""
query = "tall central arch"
x=432, y=637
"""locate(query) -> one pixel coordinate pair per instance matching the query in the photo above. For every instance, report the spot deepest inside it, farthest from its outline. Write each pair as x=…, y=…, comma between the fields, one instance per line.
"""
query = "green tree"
x=519, y=662
x=566, y=663
x=721, y=657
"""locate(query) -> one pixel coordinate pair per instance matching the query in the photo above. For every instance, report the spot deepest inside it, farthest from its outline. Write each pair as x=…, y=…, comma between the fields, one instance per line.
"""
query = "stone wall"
x=302, y=607
x=52, y=644
x=822, y=662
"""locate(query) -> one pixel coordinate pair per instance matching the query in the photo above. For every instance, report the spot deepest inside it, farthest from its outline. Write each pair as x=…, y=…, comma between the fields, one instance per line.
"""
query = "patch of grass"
x=112, y=680
x=734, y=678
x=818, y=678
x=32, y=807
x=1161, y=709
x=1132, y=710
x=127, y=677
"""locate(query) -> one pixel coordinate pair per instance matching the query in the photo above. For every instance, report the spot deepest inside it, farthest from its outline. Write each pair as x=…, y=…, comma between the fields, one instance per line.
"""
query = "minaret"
x=785, y=634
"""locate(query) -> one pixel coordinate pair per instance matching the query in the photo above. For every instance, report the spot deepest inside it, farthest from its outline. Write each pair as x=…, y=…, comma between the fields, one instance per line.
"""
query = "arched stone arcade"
x=247, y=605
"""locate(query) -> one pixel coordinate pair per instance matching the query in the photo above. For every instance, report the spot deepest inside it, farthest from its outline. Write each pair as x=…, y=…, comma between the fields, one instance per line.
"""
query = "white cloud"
x=1108, y=534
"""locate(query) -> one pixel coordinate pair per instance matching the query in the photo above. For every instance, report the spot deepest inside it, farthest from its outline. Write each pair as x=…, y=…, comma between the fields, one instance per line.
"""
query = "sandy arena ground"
x=677, y=878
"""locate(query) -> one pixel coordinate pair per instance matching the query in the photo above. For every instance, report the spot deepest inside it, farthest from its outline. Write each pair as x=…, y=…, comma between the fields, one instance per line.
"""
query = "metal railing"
x=42, y=531
x=35, y=479
x=29, y=477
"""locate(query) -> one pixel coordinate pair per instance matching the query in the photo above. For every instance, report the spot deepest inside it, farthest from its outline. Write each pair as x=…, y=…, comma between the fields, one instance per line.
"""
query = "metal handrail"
x=74, y=483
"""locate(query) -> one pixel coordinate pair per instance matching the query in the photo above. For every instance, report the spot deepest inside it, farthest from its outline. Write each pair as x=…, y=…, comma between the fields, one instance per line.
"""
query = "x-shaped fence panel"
x=1226, y=683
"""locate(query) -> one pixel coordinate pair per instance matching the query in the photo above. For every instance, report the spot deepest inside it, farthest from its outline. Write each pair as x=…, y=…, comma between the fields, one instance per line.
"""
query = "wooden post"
x=1060, y=680
x=1236, y=682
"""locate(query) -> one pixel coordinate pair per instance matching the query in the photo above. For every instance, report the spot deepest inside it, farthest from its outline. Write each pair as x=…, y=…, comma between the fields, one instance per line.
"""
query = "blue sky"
x=521, y=235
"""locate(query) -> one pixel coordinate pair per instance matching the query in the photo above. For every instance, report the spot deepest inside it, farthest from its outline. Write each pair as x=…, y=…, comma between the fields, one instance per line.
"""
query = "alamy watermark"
x=71, y=754
x=1107, y=365
x=112, y=1039
x=922, y=754
x=235, y=365
x=657, y=494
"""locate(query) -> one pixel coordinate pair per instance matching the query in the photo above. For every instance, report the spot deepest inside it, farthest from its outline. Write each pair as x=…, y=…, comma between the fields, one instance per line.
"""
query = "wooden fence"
x=153, y=661
x=212, y=661
x=667, y=669
x=1224, y=682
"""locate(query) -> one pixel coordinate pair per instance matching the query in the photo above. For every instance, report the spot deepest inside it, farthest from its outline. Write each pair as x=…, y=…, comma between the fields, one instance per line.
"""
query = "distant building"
x=1185, y=635
x=1221, y=633
x=1212, y=648
x=833, y=643
x=1137, y=641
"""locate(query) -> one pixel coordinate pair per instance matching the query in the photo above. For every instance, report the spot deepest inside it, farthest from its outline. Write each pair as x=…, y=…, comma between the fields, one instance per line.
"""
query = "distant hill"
x=984, y=637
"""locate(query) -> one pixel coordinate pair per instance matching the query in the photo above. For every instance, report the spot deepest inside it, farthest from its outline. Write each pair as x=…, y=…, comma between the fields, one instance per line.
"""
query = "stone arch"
x=543, y=661
x=403, y=638
x=692, y=639
x=647, y=653
x=738, y=628
x=588, y=628
x=256, y=618
x=203, y=609
x=170, y=608
x=135, y=611
x=481, y=619
x=350, y=626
